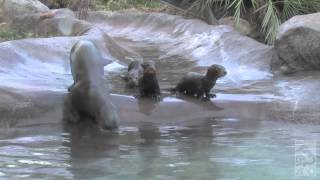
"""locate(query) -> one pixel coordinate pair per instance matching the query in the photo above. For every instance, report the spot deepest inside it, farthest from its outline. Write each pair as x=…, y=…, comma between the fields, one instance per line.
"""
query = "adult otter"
x=148, y=83
x=198, y=84
x=87, y=96
x=135, y=71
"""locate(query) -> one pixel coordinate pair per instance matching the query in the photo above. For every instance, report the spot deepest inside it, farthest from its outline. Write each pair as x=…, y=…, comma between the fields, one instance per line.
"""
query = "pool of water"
x=214, y=148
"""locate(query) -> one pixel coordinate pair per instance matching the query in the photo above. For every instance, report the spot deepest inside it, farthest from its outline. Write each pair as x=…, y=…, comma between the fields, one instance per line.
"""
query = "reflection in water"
x=149, y=135
x=210, y=105
x=147, y=105
x=34, y=152
x=214, y=148
x=90, y=150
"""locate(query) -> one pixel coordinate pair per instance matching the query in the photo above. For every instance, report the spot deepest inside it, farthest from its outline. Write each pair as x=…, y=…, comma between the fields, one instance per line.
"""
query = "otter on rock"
x=87, y=96
x=135, y=71
x=148, y=83
x=197, y=84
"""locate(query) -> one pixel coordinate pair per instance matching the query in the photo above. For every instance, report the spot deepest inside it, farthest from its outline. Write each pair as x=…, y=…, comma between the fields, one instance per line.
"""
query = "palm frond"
x=270, y=13
x=238, y=6
x=270, y=23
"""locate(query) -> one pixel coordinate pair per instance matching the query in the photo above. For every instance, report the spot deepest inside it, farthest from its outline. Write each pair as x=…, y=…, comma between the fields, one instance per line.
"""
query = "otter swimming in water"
x=89, y=96
x=197, y=84
x=148, y=83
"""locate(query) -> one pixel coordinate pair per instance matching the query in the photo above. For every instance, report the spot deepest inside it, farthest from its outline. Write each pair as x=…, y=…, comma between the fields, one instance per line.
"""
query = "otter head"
x=133, y=79
x=216, y=71
x=149, y=69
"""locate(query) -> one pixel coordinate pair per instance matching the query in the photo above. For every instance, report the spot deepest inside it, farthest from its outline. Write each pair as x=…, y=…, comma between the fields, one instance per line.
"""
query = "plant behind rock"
x=127, y=4
x=268, y=14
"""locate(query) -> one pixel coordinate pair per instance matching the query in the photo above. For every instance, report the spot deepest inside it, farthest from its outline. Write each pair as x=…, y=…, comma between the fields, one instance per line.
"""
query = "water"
x=258, y=127
x=212, y=149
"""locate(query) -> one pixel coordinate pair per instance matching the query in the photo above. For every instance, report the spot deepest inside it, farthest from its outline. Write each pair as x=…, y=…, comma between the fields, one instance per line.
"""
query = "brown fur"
x=135, y=72
x=148, y=83
x=200, y=85
x=89, y=96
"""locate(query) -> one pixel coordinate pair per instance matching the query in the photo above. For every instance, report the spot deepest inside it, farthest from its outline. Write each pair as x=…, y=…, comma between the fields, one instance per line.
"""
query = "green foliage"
x=114, y=5
x=60, y=3
x=268, y=13
x=8, y=34
x=56, y=3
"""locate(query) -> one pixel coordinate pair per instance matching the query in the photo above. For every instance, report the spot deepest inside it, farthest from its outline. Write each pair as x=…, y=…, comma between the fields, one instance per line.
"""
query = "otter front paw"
x=137, y=96
x=157, y=98
x=110, y=122
x=70, y=87
x=109, y=127
x=107, y=117
x=205, y=99
x=212, y=95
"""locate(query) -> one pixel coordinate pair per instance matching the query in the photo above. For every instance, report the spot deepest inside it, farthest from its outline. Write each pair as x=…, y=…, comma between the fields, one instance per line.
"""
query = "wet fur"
x=148, y=83
x=87, y=96
x=135, y=72
x=195, y=84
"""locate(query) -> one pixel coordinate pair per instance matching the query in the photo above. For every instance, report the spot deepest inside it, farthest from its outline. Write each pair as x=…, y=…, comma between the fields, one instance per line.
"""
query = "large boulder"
x=64, y=23
x=21, y=14
x=203, y=44
x=298, y=44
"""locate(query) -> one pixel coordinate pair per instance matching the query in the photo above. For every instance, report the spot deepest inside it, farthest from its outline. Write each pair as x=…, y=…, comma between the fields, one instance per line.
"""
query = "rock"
x=64, y=23
x=244, y=58
x=244, y=27
x=298, y=44
x=22, y=14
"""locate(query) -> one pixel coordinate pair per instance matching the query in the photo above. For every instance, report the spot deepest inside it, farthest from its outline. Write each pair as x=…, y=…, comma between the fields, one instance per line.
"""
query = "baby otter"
x=135, y=71
x=200, y=85
x=148, y=83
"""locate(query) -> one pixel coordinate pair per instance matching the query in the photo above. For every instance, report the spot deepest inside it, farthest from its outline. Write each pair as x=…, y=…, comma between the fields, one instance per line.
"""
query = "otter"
x=148, y=83
x=87, y=97
x=197, y=84
x=135, y=71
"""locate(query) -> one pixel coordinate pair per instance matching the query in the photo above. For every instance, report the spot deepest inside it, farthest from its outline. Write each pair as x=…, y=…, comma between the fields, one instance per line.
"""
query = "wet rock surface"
x=297, y=44
x=22, y=14
x=192, y=39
